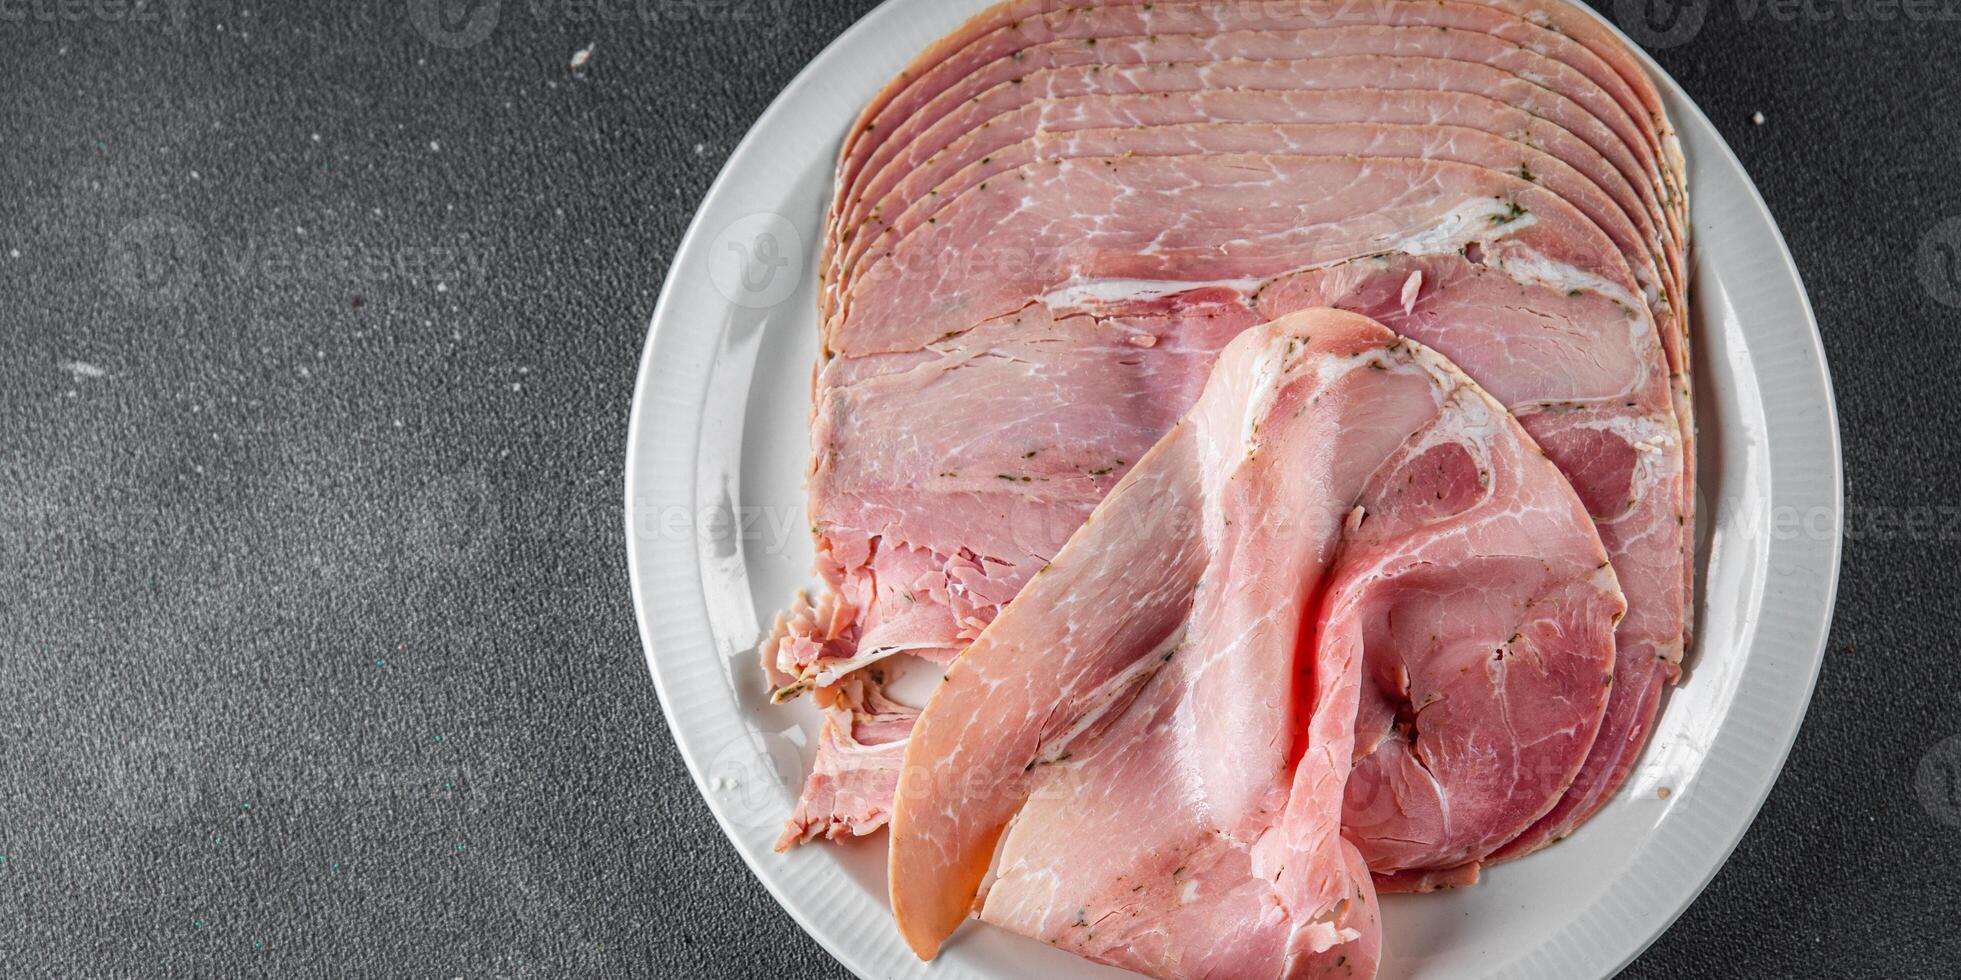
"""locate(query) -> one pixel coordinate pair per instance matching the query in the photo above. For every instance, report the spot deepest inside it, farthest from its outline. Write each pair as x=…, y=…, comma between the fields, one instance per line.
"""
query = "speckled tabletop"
x=318, y=327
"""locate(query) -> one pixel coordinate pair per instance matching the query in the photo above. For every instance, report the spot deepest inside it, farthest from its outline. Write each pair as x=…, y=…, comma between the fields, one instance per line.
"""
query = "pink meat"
x=1199, y=650
x=1553, y=45
x=902, y=468
x=1005, y=32
x=1616, y=450
x=970, y=127
x=1430, y=142
x=1338, y=67
x=986, y=144
x=1164, y=136
x=1176, y=100
x=1568, y=20
x=856, y=774
x=1191, y=221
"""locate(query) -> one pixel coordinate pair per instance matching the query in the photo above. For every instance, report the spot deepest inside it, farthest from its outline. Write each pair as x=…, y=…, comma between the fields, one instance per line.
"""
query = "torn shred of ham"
x=856, y=774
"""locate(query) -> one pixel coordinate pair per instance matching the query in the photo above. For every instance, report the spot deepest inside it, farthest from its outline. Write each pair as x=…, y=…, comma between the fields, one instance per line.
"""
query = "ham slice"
x=965, y=106
x=1167, y=712
x=968, y=127
x=1003, y=45
x=1469, y=76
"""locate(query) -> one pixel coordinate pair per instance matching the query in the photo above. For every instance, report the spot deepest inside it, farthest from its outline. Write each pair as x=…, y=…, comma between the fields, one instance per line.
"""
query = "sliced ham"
x=929, y=522
x=1432, y=142
x=1545, y=44
x=1488, y=266
x=1589, y=32
x=1006, y=31
x=1622, y=455
x=1662, y=291
x=1127, y=33
x=1339, y=68
x=1167, y=712
x=1176, y=98
x=1192, y=220
x=1045, y=232
x=978, y=126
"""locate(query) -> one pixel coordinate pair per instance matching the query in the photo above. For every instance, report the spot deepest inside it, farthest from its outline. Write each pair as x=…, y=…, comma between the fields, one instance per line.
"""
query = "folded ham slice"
x=1167, y=712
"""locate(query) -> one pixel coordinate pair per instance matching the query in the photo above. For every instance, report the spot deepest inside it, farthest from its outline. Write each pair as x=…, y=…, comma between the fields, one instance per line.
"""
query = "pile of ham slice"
x=1274, y=419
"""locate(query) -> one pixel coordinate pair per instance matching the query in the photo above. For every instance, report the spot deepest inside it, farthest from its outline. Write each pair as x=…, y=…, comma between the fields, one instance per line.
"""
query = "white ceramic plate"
x=718, y=542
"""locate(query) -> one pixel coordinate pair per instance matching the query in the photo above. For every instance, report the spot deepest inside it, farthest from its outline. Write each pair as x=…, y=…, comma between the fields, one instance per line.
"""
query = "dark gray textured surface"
x=316, y=346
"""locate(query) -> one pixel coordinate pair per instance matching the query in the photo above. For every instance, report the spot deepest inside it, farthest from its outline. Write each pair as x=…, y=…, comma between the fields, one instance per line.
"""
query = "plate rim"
x=640, y=558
